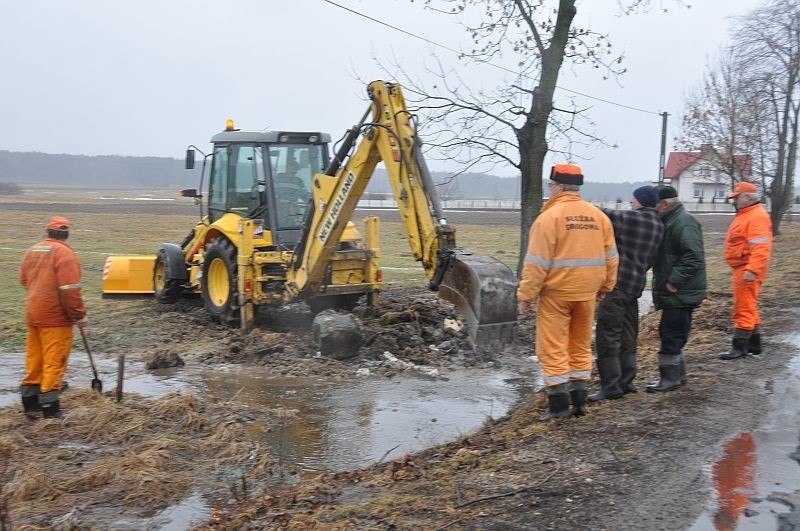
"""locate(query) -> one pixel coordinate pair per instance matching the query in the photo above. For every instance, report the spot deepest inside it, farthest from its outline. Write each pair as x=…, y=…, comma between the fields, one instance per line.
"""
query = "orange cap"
x=567, y=174
x=58, y=223
x=742, y=187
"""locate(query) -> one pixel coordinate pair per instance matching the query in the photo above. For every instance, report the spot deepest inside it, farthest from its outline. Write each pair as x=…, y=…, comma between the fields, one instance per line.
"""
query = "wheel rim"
x=218, y=286
x=159, y=277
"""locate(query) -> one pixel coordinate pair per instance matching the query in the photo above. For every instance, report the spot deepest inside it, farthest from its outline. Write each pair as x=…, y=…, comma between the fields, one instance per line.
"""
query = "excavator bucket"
x=484, y=291
x=128, y=274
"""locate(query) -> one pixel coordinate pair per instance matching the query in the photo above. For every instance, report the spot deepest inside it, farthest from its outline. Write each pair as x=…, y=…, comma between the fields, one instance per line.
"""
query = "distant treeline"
x=109, y=171
x=114, y=171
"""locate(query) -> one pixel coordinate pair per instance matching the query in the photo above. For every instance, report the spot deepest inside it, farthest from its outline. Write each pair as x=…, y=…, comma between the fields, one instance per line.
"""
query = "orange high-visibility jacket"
x=571, y=252
x=749, y=240
x=51, y=274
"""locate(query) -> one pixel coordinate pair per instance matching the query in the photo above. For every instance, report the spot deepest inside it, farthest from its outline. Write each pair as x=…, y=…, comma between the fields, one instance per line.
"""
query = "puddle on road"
x=757, y=464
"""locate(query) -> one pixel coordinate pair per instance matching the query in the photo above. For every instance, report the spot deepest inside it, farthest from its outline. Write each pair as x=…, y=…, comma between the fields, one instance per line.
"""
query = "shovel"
x=97, y=385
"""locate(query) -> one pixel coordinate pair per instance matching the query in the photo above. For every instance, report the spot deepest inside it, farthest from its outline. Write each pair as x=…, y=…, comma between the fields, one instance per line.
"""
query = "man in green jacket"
x=679, y=285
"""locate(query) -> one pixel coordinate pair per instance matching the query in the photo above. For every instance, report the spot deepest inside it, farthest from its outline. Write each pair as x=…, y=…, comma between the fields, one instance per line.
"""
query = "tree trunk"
x=532, y=136
x=784, y=203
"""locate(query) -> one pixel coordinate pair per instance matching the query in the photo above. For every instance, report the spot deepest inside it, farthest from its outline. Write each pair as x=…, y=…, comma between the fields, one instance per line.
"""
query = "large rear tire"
x=220, y=292
x=167, y=290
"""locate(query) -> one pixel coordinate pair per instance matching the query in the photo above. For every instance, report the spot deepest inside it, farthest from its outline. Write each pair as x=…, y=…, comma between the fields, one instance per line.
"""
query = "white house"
x=698, y=176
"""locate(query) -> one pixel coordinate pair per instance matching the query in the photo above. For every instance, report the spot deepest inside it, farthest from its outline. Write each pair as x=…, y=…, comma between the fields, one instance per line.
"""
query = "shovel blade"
x=484, y=290
x=97, y=385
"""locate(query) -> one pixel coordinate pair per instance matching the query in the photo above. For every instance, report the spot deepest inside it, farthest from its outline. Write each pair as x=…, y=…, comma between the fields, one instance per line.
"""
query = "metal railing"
x=513, y=204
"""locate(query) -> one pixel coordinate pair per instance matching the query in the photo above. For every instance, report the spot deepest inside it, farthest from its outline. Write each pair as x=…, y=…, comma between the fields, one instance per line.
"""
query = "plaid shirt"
x=638, y=234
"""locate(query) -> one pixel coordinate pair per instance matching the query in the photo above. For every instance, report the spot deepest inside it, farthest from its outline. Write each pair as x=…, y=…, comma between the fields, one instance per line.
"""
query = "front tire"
x=220, y=292
x=167, y=290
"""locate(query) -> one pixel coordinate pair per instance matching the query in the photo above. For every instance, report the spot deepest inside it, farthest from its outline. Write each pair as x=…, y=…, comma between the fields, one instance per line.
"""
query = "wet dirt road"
x=756, y=479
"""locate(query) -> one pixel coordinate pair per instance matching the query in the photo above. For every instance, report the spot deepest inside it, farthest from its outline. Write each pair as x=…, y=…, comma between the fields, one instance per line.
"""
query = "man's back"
x=638, y=235
x=571, y=243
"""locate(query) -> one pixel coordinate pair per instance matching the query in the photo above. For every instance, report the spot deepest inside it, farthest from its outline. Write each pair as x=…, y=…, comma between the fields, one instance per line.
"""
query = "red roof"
x=679, y=161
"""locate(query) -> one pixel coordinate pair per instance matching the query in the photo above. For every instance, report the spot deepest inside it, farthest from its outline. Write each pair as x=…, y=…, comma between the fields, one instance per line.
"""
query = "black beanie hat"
x=666, y=192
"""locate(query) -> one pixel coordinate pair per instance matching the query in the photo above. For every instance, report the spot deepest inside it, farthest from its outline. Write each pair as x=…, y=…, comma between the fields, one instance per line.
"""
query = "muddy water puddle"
x=328, y=425
x=756, y=481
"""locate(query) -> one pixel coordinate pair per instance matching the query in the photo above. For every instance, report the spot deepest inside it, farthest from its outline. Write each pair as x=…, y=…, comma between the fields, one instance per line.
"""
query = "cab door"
x=237, y=181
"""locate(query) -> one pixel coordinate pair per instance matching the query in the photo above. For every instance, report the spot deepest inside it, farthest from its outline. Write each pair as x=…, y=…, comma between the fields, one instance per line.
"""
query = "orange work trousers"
x=564, y=339
x=46, y=353
x=745, y=300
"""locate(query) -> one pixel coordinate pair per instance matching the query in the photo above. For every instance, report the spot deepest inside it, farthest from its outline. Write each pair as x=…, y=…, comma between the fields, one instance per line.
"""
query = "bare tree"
x=723, y=116
x=750, y=101
x=516, y=123
x=770, y=40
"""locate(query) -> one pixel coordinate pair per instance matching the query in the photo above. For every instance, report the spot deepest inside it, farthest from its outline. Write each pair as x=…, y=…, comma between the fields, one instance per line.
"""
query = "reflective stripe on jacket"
x=51, y=275
x=749, y=240
x=571, y=252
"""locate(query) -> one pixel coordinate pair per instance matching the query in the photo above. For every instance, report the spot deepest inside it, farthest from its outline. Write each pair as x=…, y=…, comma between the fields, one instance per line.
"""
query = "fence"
x=513, y=204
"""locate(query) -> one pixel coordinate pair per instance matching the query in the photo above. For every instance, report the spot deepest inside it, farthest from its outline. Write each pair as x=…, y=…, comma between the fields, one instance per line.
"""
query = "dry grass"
x=141, y=453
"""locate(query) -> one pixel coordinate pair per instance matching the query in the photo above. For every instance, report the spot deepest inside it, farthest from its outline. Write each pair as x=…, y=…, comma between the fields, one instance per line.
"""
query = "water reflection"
x=326, y=425
x=734, y=480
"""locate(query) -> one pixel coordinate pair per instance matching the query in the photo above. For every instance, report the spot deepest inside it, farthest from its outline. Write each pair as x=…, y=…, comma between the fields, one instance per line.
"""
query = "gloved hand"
x=82, y=322
x=523, y=307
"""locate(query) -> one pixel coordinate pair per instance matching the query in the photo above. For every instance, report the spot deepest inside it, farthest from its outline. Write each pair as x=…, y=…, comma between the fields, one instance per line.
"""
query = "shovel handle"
x=88, y=350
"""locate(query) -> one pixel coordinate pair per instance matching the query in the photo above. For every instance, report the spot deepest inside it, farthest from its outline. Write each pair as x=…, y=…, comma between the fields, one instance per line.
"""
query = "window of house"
x=699, y=191
x=720, y=192
x=704, y=172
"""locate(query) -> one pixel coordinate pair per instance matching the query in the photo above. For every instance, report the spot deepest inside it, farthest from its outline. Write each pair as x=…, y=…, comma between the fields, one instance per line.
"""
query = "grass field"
x=130, y=226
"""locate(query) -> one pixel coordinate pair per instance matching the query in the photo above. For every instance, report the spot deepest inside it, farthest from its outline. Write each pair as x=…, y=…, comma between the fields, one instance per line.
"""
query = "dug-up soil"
x=634, y=463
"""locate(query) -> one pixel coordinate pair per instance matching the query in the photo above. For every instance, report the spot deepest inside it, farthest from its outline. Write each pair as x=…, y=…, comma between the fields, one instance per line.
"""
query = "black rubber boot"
x=30, y=401
x=558, y=402
x=754, y=346
x=682, y=367
x=741, y=339
x=52, y=410
x=577, y=397
x=670, y=377
x=609, y=370
x=627, y=363
x=32, y=407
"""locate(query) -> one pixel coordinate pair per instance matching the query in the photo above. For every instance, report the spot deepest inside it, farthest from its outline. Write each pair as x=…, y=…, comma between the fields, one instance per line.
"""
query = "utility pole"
x=663, y=148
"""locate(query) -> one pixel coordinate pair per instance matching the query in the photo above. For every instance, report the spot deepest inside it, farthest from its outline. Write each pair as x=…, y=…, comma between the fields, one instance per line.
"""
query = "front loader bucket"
x=484, y=291
x=128, y=274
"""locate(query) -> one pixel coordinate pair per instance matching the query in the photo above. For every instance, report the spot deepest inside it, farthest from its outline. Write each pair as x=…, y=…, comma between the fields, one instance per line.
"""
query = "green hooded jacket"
x=680, y=261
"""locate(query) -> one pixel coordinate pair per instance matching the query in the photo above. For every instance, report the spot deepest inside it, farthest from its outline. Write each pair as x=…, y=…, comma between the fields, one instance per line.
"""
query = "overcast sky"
x=146, y=78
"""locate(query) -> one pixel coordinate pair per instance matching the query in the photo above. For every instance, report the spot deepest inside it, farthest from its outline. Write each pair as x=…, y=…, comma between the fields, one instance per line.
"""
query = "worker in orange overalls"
x=570, y=263
x=748, y=244
x=51, y=275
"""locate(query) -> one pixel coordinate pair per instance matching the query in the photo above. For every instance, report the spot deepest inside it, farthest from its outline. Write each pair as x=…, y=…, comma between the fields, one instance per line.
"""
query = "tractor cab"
x=265, y=176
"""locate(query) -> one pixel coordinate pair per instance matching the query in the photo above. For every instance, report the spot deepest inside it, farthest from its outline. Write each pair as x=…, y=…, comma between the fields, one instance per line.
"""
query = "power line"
x=434, y=43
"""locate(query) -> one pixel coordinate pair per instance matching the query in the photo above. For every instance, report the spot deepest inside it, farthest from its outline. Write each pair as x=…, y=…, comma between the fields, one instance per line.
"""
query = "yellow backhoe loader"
x=275, y=227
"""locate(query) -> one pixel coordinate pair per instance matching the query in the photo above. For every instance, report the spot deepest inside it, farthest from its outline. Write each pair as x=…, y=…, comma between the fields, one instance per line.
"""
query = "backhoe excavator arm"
x=481, y=287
